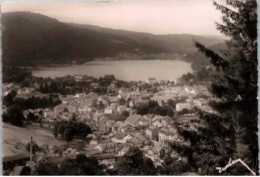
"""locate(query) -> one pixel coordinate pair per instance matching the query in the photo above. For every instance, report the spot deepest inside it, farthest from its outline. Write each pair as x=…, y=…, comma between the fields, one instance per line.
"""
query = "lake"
x=128, y=70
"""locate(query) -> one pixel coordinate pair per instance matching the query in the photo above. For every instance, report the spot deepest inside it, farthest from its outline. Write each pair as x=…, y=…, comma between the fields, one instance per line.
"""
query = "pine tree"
x=232, y=132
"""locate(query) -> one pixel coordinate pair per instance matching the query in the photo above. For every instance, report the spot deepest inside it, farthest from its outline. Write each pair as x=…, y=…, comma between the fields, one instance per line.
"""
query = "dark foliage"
x=14, y=115
x=46, y=169
x=81, y=165
x=70, y=129
x=234, y=82
x=172, y=166
x=135, y=163
x=42, y=40
x=26, y=171
x=152, y=107
x=16, y=75
x=37, y=102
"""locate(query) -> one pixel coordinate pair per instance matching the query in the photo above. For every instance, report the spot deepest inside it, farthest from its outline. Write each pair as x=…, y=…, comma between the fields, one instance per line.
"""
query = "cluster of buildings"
x=116, y=126
x=151, y=133
x=25, y=92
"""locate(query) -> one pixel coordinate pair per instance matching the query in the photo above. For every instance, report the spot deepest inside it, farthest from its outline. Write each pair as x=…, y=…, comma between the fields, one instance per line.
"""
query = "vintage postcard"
x=129, y=88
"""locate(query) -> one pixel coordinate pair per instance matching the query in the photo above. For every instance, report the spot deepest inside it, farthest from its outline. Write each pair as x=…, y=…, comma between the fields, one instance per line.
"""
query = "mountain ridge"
x=34, y=39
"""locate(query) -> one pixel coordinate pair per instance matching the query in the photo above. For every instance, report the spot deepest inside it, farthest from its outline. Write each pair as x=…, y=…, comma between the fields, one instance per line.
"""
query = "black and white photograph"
x=129, y=88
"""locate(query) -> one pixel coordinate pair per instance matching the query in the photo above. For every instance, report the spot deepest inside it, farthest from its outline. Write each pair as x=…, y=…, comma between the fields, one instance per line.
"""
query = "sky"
x=151, y=16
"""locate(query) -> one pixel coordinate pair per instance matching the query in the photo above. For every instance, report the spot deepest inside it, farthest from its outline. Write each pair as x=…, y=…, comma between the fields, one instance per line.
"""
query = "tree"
x=125, y=114
x=5, y=117
x=8, y=99
x=68, y=134
x=53, y=87
x=122, y=101
x=68, y=167
x=89, y=166
x=109, y=78
x=57, y=101
x=234, y=82
x=134, y=163
x=26, y=171
x=15, y=74
x=172, y=166
x=41, y=89
x=55, y=130
x=73, y=117
x=144, y=108
x=32, y=117
x=82, y=130
x=15, y=115
x=187, y=79
x=46, y=169
x=81, y=165
x=70, y=129
x=172, y=103
x=101, y=105
x=148, y=167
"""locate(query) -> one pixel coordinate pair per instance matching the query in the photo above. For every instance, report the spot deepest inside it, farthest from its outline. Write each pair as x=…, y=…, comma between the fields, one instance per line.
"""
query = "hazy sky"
x=158, y=17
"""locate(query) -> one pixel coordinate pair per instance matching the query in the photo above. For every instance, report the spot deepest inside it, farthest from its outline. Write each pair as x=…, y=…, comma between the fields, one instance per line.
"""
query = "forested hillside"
x=35, y=39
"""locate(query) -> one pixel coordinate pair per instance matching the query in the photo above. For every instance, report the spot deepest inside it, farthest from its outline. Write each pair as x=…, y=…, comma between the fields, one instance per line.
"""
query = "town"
x=112, y=116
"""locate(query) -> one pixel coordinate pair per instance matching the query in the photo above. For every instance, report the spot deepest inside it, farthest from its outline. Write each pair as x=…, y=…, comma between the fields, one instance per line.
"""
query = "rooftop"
x=15, y=157
x=134, y=119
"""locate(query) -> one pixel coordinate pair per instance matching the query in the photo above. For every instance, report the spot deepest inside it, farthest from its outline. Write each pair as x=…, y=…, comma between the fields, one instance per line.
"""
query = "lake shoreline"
x=78, y=64
x=128, y=70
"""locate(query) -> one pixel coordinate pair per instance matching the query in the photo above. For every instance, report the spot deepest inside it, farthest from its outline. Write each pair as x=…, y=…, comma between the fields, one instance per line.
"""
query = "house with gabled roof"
x=127, y=128
x=152, y=132
x=133, y=120
x=121, y=137
x=135, y=142
x=109, y=147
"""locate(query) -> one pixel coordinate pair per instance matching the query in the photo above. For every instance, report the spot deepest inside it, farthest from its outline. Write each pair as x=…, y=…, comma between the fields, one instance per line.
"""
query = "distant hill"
x=30, y=38
x=34, y=39
x=176, y=43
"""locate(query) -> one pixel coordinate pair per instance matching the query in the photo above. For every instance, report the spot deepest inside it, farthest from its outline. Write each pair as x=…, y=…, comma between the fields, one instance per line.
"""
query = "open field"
x=15, y=138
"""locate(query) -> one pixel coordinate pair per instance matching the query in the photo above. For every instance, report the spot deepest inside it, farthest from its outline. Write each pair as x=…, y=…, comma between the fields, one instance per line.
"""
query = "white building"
x=181, y=106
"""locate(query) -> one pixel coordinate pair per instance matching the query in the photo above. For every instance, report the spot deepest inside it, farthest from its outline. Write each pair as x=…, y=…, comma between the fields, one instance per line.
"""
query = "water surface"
x=129, y=70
